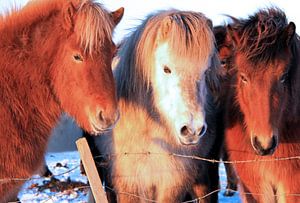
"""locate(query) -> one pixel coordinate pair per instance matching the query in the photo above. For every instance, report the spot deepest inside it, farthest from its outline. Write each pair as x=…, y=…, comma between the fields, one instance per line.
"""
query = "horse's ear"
x=117, y=15
x=289, y=32
x=233, y=35
x=209, y=23
x=68, y=14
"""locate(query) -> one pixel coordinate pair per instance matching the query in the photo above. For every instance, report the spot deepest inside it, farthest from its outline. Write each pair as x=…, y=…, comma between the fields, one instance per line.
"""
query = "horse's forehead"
x=93, y=26
x=181, y=64
x=260, y=70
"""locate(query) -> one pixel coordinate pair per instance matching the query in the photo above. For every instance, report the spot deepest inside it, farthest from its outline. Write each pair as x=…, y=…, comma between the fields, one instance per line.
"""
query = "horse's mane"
x=294, y=77
x=260, y=34
x=93, y=21
x=94, y=24
x=189, y=37
x=220, y=33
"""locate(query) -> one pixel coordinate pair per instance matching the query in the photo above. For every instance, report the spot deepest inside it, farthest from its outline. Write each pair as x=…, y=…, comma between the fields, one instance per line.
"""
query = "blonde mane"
x=94, y=25
x=93, y=22
x=189, y=36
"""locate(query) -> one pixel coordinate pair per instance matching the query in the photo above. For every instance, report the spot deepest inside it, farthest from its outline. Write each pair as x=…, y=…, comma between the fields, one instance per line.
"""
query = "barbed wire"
x=204, y=196
x=51, y=197
x=193, y=157
x=202, y=158
x=5, y=180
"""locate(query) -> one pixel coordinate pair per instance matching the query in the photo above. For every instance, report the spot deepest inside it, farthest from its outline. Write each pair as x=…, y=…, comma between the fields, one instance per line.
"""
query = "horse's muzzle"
x=105, y=123
x=188, y=136
x=268, y=149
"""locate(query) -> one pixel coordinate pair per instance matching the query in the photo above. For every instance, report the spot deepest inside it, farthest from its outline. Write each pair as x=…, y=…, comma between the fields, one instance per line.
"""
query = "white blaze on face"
x=173, y=89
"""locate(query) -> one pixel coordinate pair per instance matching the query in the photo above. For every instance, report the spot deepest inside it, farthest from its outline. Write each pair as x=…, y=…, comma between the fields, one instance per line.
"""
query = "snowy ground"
x=67, y=164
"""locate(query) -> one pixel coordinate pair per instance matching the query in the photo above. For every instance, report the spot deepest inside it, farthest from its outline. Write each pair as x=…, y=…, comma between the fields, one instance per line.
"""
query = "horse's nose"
x=190, y=136
x=107, y=119
x=265, y=147
x=186, y=130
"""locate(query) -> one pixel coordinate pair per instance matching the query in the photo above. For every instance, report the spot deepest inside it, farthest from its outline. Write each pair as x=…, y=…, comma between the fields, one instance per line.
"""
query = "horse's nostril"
x=256, y=143
x=274, y=142
x=264, y=150
x=108, y=119
x=203, y=130
x=185, y=131
x=117, y=116
x=101, y=116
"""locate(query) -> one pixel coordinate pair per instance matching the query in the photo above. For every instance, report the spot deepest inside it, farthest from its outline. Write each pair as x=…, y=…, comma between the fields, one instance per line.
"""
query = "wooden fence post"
x=91, y=171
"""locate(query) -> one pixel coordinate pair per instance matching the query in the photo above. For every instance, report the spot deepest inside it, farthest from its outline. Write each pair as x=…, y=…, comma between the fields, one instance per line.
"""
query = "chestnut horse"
x=53, y=54
x=263, y=108
x=166, y=108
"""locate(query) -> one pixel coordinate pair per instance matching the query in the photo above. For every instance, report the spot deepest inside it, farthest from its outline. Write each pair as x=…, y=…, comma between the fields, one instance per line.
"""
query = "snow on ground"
x=223, y=199
x=67, y=164
x=64, y=163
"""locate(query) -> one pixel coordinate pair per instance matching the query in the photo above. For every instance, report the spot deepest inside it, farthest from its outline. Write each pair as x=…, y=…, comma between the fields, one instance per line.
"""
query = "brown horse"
x=53, y=54
x=225, y=50
x=263, y=107
x=166, y=108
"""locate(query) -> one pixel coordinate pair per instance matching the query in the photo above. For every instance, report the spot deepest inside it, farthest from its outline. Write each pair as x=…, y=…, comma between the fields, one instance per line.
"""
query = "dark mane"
x=220, y=33
x=294, y=75
x=260, y=34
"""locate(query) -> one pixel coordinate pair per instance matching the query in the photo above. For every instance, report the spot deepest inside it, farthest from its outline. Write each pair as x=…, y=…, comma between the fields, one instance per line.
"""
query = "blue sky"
x=135, y=10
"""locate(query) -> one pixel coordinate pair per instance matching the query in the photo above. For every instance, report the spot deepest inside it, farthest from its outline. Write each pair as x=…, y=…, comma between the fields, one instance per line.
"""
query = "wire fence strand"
x=110, y=156
x=5, y=180
x=193, y=157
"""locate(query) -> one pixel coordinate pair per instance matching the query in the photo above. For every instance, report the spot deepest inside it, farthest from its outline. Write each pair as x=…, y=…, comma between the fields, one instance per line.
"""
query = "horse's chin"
x=264, y=152
x=189, y=140
x=97, y=129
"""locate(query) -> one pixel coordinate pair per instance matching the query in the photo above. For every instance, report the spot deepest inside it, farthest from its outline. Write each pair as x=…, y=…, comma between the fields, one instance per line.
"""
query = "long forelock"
x=189, y=37
x=94, y=25
x=260, y=34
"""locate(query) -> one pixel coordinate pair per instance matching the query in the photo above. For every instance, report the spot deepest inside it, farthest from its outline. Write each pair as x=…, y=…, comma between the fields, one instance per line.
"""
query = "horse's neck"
x=25, y=64
x=29, y=98
x=26, y=90
x=28, y=38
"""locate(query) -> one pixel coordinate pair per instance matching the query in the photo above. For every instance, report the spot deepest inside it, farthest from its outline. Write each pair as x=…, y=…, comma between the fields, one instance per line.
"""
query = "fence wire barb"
x=5, y=180
x=204, y=196
x=110, y=156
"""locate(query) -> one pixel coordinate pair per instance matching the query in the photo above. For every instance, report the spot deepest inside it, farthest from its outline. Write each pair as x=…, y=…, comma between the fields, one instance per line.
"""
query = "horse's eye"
x=167, y=70
x=78, y=57
x=223, y=62
x=284, y=77
x=243, y=78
